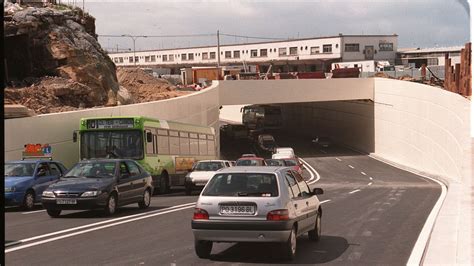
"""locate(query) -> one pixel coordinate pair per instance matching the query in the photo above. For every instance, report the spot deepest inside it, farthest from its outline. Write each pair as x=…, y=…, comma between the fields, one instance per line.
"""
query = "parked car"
x=26, y=180
x=250, y=161
x=284, y=150
x=322, y=141
x=201, y=172
x=99, y=184
x=256, y=204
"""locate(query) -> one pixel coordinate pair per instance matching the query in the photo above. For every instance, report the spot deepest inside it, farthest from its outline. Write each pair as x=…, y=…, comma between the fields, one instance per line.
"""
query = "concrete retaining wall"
x=200, y=108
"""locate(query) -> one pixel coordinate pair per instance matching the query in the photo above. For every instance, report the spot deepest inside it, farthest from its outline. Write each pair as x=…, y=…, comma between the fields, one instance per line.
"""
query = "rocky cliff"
x=61, y=42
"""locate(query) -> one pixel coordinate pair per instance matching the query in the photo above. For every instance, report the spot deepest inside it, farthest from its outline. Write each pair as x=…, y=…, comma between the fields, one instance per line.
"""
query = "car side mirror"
x=318, y=191
x=149, y=137
x=74, y=136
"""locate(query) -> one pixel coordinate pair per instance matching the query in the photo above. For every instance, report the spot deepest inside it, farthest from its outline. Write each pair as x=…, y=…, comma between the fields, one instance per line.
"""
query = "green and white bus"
x=166, y=149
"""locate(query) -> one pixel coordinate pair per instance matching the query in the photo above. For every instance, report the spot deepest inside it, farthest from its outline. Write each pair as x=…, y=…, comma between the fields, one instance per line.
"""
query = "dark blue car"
x=26, y=180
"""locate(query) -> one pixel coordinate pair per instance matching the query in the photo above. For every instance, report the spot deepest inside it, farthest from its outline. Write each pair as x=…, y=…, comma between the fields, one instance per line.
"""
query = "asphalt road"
x=372, y=214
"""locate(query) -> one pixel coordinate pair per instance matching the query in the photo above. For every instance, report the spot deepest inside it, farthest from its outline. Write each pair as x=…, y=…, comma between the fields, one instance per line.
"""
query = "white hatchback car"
x=201, y=173
x=256, y=204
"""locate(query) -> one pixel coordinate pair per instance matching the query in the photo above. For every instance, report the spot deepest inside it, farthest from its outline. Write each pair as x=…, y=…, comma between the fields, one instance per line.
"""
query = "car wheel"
x=289, y=247
x=315, y=234
x=29, y=201
x=146, y=200
x=203, y=248
x=111, y=205
x=53, y=213
x=188, y=189
x=164, y=185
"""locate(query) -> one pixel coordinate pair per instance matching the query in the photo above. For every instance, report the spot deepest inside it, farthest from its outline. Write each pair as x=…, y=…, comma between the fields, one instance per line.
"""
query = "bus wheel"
x=164, y=183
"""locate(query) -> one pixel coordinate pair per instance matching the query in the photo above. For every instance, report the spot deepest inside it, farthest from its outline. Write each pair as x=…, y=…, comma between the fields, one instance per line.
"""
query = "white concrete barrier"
x=201, y=108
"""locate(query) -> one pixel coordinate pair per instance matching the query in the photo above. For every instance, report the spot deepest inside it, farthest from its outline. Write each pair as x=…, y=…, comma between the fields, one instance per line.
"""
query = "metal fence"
x=437, y=71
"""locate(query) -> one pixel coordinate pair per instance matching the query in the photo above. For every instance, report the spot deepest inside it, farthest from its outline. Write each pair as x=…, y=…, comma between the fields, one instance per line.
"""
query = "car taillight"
x=278, y=215
x=200, y=214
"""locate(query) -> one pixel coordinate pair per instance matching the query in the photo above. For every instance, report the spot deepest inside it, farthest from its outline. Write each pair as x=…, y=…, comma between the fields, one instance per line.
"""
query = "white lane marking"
x=363, y=173
x=103, y=222
x=323, y=151
x=94, y=229
x=324, y=201
x=33, y=212
x=312, y=170
x=371, y=178
x=354, y=191
x=338, y=159
x=351, y=166
x=370, y=184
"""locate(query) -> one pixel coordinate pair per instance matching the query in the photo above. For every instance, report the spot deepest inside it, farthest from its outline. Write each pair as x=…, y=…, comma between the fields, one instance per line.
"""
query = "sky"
x=419, y=23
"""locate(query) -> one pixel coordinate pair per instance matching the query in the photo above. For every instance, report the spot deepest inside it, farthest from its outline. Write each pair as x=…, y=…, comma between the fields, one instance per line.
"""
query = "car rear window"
x=249, y=162
x=291, y=162
x=242, y=185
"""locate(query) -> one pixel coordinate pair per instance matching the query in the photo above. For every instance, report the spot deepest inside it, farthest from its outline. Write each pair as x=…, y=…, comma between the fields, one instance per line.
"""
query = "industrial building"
x=415, y=57
x=296, y=55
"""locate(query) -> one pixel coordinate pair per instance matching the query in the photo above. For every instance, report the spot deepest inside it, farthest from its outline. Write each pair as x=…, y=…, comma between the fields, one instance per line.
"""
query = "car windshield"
x=19, y=169
x=249, y=162
x=268, y=143
x=291, y=162
x=275, y=162
x=208, y=166
x=92, y=169
x=242, y=185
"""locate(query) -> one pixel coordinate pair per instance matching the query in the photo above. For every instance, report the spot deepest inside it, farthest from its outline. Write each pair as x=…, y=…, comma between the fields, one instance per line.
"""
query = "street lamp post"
x=134, y=38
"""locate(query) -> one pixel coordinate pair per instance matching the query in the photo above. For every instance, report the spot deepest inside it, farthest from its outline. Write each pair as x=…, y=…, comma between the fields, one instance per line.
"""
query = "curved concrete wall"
x=200, y=108
x=414, y=125
x=423, y=127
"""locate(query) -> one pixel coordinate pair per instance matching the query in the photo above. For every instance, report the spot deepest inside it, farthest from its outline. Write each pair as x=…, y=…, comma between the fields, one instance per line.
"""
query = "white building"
x=304, y=55
x=429, y=56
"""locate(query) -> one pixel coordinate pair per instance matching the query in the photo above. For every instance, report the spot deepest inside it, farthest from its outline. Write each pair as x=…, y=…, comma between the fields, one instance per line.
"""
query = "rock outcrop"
x=58, y=41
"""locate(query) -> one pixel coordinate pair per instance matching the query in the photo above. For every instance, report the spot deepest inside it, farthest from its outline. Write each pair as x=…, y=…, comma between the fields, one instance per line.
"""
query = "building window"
x=136, y=58
x=121, y=59
x=306, y=47
x=236, y=54
x=228, y=54
x=170, y=58
x=282, y=51
x=327, y=48
x=115, y=59
x=153, y=58
x=301, y=48
x=351, y=47
x=263, y=53
x=205, y=56
x=165, y=58
x=183, y=57
x=130, y=59
x=190, y=56
x=212, y=55
x=388, y=46
x=293, y=50
x=315, y=50
x=147, y=59
x=253, y=53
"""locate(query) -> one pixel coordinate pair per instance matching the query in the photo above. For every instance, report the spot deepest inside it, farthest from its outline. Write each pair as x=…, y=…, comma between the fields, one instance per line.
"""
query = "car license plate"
x=66, y=201
x=237, y=210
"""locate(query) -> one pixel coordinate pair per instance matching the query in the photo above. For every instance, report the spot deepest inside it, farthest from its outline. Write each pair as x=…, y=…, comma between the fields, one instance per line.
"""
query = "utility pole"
x=134, y=38
x=218, y=50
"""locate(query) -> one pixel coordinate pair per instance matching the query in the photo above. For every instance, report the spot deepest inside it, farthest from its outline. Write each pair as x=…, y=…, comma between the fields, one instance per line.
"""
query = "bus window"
x=210, y=147
x=163, y=145
x=202, y=144
x=113, y=144
x=174, y=145
x=193, y=144
x=150, y=145
x=184, y=145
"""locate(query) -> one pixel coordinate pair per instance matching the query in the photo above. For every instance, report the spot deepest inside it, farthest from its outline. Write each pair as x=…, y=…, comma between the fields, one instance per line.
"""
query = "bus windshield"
x=112, y=144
